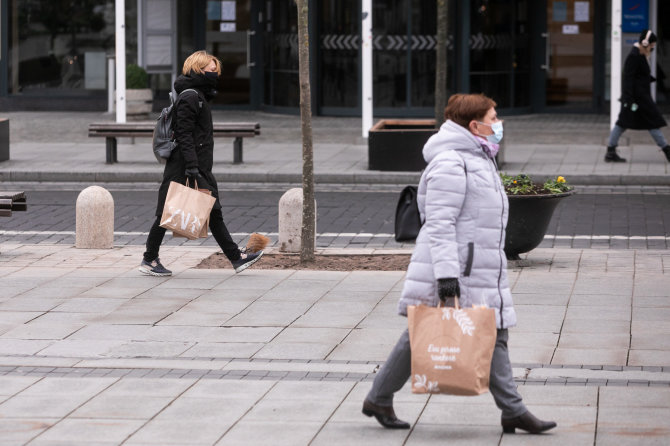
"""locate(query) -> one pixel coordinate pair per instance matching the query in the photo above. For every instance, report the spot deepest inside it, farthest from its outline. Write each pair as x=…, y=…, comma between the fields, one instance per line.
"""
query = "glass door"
x=280, y=54
x=499, y=51
x=230, y=36
x=569, y=54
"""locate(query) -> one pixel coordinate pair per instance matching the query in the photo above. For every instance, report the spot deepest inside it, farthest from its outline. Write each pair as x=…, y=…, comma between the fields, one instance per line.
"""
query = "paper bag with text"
x=203, y=231
x=451, y=349
x=186, y=210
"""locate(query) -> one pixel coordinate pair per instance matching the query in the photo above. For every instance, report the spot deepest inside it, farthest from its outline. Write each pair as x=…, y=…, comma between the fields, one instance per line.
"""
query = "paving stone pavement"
x=544, y=145
x=91, y=352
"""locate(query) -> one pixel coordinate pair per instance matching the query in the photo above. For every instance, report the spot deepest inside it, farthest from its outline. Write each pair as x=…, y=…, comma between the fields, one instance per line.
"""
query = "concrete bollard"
x=290, y=220
x=95, y=219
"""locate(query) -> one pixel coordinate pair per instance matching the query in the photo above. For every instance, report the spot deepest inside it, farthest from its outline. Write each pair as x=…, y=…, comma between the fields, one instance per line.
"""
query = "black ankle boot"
x=384, y=415
x=666, y=150
x=527, y=422
x=612, y=157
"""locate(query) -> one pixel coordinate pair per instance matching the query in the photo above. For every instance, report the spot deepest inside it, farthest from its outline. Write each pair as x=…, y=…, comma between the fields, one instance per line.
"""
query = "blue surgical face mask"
x=497, y=128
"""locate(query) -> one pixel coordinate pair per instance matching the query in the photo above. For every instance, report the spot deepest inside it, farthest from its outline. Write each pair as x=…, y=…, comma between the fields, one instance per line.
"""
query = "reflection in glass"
x=227, y=26
x=339, y=43
x=281, y=61
x=61, y=45
x=389, y=30
x=499, y=51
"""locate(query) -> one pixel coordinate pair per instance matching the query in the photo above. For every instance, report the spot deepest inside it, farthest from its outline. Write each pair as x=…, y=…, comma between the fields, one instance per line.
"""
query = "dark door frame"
x=538, y=76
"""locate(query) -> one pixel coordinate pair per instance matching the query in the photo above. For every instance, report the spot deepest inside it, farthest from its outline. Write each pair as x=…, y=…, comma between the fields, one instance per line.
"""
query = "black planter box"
x=396, y=144
x=4, y=140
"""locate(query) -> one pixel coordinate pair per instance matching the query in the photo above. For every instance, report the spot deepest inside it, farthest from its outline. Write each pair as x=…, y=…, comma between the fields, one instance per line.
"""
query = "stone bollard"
x=290, y=220
x=95, y=219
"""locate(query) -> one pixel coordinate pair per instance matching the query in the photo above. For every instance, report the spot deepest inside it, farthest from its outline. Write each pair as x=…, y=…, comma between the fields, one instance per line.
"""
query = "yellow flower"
x=560, y=180
x=514, y=181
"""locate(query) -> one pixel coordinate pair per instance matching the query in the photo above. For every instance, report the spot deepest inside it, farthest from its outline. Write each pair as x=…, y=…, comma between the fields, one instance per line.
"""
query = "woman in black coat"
x=638, y=110
x=193, y=159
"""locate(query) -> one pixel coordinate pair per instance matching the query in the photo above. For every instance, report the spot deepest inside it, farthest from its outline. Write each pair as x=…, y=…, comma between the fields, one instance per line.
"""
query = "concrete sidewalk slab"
x=286, y=357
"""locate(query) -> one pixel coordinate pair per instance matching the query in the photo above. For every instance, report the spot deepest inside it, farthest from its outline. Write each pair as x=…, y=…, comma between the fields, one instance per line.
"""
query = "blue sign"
x=635, y=16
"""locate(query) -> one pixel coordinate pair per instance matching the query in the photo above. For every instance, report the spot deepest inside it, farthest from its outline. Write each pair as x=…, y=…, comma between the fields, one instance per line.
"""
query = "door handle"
x=249, y=62
x=547, y=56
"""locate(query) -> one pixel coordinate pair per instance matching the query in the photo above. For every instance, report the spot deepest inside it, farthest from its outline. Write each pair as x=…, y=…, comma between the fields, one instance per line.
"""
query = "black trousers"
x=216, y=226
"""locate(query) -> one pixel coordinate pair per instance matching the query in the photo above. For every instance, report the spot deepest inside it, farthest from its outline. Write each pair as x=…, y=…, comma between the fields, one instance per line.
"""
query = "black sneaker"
x=246, y=260
x=154, y=268
x=666, y=150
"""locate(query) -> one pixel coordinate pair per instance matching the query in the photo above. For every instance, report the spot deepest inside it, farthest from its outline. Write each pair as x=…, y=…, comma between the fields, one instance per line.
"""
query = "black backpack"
x=163, y=138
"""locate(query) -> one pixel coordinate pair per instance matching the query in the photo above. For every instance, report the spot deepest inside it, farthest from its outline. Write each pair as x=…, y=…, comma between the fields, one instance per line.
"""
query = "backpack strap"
x=193, y=90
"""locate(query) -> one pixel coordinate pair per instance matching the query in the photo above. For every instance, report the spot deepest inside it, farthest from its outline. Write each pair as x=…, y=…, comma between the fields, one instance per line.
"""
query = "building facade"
x=529, y=55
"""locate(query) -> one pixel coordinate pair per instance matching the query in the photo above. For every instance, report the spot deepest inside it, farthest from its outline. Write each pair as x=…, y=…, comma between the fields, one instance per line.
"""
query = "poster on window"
x=228, y=10
x=227, y=27
x=570, y=29
x=582, y=11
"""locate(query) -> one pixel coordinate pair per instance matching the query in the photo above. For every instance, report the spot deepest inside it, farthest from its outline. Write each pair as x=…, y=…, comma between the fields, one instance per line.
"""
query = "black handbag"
x=407, y=218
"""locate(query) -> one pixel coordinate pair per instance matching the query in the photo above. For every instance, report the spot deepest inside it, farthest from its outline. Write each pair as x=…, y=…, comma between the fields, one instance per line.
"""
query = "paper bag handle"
x=456, y=304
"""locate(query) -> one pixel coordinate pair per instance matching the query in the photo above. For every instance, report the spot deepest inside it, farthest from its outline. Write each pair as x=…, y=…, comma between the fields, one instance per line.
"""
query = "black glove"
x=192, y=172
x=447, y=290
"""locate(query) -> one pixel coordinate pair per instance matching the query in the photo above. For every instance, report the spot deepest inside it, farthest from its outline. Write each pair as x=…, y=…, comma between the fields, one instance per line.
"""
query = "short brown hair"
x=198, y=61
x=463, y=108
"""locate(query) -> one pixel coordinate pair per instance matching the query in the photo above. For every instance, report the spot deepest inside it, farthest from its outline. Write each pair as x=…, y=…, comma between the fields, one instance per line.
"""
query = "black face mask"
x=211, y=76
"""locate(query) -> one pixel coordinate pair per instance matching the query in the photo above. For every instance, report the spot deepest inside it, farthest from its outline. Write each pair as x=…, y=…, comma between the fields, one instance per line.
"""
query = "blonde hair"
x=198, y=61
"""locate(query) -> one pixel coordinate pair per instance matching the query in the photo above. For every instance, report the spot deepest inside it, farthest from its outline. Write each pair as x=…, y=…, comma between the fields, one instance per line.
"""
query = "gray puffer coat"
x=464, y=208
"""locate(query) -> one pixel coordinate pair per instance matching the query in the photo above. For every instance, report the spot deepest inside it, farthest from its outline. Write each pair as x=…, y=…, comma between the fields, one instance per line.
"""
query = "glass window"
x=227, y=26
x=423, y=38
x=404, y=39
x=499, y=51
x=281, y=61
x=389, y=30
x=62, y=46
x=339, y=42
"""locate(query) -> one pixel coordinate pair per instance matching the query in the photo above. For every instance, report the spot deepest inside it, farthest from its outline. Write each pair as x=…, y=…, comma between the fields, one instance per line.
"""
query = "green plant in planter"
x=522, y=184
x=136, y=77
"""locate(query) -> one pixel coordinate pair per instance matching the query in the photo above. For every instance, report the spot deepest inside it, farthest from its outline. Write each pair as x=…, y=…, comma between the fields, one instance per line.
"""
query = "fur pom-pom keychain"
x=257, y=242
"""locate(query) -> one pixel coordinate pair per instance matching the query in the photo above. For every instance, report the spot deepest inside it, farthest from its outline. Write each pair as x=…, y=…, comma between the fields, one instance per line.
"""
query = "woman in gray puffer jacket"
x=459, y=253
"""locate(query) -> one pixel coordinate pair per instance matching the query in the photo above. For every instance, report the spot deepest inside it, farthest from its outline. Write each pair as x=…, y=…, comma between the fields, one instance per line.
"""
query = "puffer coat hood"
x=464, y=208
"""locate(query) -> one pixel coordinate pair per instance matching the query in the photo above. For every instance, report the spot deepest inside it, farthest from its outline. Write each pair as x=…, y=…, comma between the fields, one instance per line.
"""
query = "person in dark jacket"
x=638, y=109
x=193, y=159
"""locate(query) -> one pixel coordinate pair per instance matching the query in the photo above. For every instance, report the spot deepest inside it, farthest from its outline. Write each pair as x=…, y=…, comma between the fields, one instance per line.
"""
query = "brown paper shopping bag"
x=451, y=349
x=186, y=210
x=203, y=232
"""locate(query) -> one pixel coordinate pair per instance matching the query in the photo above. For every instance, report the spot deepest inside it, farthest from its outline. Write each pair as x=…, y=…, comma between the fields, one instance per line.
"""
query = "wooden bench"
x=113, y=130
x=12, y=201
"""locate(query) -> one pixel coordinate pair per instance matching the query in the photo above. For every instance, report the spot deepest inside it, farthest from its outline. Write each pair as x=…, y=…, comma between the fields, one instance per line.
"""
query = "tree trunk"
x=308, y=208
x=441, y=63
